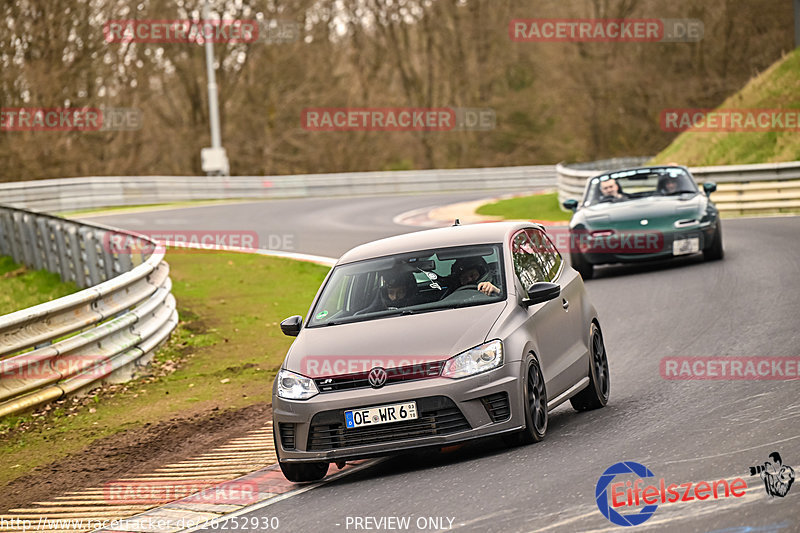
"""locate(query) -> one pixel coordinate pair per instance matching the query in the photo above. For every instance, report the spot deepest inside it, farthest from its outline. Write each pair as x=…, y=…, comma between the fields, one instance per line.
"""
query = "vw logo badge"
x=377, y=377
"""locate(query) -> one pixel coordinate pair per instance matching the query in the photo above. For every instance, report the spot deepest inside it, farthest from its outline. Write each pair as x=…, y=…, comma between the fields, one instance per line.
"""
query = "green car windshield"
x=411, y=283
x=630, y=185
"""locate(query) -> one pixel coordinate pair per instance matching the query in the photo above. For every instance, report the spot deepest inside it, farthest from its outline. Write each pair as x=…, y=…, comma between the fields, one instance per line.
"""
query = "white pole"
x=213, y=105
x=797, y=23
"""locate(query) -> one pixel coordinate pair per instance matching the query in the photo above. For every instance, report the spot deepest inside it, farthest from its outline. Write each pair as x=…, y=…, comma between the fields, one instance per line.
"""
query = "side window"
x=549, y=258
x=526, y=261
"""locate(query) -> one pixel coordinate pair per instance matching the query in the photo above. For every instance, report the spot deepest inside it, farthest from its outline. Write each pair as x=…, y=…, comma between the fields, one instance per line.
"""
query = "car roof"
x=489, y=233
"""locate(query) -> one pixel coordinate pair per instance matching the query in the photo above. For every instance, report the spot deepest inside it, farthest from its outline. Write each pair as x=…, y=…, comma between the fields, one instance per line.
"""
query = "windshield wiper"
x=397, y=312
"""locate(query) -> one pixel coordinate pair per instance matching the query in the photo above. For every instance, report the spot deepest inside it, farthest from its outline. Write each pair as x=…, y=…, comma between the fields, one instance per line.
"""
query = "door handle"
x=564, y=303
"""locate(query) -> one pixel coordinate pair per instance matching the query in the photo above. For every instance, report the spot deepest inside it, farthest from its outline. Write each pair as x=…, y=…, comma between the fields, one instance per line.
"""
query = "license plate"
x=686, y=246
x=384, y=414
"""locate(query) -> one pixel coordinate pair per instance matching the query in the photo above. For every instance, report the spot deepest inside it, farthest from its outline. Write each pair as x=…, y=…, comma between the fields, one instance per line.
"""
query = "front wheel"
x=595, y=395
x=299, y=472
x=304, y=472
x=535, y=408
x=715, y=251
x=584, y=267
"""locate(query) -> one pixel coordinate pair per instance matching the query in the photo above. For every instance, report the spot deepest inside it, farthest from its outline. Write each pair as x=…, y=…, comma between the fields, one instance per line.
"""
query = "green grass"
x=21, y=288
x=231, y=306
x=537, y=207
x=776, y=88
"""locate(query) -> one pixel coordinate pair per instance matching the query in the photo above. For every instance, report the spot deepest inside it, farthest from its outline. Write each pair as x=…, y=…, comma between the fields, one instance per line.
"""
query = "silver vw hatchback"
x=433, y=338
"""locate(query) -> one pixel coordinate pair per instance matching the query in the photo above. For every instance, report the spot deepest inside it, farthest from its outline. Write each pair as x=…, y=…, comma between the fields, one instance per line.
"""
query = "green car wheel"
x=584, y=268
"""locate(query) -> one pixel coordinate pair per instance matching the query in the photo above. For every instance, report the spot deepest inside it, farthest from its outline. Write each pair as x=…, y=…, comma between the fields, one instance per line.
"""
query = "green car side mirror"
x=709, y=187
x=571, y=205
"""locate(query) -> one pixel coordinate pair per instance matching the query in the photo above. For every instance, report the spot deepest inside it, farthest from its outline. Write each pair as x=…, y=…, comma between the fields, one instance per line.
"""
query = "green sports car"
x=642, y=214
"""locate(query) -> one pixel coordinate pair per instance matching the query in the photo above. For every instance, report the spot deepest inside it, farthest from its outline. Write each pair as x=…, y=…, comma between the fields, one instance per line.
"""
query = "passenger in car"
x=399, y=290
x=667, y=184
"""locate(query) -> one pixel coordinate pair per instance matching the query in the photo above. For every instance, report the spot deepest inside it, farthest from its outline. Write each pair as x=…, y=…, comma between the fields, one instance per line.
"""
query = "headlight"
x=295, y=387
x=475, y=360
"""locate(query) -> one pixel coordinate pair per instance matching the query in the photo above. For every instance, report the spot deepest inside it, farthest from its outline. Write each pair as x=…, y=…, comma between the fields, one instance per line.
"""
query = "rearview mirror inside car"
x=542, y=291
x=291, y=326
x=422, y=265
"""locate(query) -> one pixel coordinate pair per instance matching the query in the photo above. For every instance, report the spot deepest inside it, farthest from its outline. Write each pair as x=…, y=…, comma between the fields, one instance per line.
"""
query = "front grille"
x=497, y=406
x=393, y=375
x=438, y=415
x=287, y=432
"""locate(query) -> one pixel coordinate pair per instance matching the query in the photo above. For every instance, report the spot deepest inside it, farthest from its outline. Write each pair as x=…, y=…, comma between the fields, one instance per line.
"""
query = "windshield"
x=411, y=283
x=628, y=185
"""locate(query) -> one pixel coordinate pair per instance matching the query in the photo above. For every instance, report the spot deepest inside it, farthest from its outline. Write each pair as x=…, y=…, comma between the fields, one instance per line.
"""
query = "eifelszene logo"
x=777, y=477
x=626, y=494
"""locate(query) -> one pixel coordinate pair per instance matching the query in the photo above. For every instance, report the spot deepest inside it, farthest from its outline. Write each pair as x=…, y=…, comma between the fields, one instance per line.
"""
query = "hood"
x=661, y=212
x=390, y=342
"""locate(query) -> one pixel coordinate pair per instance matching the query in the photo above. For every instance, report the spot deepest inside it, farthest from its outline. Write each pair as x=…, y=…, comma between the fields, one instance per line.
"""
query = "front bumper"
x=705, y=232
x=450, y=411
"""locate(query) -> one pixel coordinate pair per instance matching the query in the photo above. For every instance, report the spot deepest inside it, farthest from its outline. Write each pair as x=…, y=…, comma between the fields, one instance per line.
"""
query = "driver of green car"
x=611, y=190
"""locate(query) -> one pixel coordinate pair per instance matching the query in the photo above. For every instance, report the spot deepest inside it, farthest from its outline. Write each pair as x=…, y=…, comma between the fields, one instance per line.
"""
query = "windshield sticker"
x=321, y=315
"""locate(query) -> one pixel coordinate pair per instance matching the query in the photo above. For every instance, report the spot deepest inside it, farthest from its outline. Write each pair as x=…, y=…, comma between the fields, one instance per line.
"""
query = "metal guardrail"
x=102, y=334
x=742, y=188
x=758, y=196
x=69, y=194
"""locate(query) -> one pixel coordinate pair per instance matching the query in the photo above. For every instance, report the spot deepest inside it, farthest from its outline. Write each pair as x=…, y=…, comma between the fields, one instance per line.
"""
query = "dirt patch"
x=134, y=452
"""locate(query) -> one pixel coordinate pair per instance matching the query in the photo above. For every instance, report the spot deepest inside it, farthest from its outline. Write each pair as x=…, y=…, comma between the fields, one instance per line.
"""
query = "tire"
x=715, y=251
x=299, y=472
x=595, y=395
x=304, y=472
x=536, y=415
x=584, y=268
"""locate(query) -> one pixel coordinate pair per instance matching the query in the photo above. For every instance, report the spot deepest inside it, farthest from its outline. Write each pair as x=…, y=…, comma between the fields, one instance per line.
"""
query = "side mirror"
x=291, y=326
x=571, y=205
x=542, y=291
x=709, y=187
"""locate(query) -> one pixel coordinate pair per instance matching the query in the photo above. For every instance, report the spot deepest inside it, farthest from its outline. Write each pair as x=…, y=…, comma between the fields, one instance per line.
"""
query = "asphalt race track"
x=320, y=226
x=684, y=431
